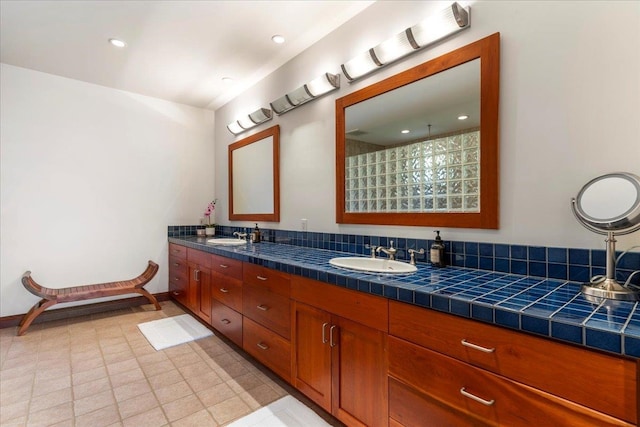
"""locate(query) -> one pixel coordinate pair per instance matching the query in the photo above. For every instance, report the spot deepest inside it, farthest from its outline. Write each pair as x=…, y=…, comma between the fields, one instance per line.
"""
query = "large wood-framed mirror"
x=443, y=172
x=254, y=177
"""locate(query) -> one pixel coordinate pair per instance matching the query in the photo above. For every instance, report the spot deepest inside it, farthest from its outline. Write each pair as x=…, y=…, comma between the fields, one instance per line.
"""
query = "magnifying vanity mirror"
x=254, y=171
x=610, y=204
x=421, y=147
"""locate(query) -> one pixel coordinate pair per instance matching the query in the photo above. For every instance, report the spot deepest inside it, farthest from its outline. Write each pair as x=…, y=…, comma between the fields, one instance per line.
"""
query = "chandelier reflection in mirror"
x=610, y=205
x=436, y=27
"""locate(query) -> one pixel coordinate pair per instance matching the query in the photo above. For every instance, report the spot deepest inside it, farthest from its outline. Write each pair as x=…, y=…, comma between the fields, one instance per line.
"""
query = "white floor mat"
x=286, y=412
x=172, y=331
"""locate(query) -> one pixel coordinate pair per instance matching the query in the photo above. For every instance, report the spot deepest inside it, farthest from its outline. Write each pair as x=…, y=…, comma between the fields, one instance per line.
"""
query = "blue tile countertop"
x=547, y=307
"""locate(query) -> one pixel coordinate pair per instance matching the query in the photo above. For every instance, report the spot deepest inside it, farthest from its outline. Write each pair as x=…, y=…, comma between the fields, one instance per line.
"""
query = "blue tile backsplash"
x=533, y=289
x=537, y=261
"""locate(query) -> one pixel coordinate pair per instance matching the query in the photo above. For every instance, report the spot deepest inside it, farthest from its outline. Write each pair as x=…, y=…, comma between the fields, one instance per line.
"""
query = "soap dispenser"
x=436, y=255
x=255, y=236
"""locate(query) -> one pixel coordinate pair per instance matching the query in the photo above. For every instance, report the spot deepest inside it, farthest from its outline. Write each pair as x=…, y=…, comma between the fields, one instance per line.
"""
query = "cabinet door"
x=359, y=371
x=312, y=359
x=200, y=291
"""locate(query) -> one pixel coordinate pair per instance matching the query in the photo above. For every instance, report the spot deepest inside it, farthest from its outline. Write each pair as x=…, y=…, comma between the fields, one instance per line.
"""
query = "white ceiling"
x=176, y=50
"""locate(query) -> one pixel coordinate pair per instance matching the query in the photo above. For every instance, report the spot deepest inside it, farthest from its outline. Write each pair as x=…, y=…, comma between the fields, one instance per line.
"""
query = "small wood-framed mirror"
x=446, y=175
x=254, y=177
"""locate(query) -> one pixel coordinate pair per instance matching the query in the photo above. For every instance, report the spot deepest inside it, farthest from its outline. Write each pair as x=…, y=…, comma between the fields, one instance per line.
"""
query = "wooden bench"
x=79, y=293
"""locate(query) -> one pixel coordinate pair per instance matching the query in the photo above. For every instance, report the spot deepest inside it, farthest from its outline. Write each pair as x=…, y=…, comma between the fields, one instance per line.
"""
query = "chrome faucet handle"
x=412, y=253
x=240, y=235
x=373, y=250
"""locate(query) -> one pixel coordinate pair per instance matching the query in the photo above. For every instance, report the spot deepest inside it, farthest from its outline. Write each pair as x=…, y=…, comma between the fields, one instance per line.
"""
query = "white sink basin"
x=373, y=265
x=227, y=242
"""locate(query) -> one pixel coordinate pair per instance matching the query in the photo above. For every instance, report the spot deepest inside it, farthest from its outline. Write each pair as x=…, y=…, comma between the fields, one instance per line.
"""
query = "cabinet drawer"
x=203, y=259
x=267, y=308
x=410, y=408
x=266, y=278
x=481, y=394
x=178, y=267
x=227, y=290
x=360, y=307
x=227, y=266
x=268, y=347
x=603, y=382
x=177, y=251
x=178, y=288
x=227, y=321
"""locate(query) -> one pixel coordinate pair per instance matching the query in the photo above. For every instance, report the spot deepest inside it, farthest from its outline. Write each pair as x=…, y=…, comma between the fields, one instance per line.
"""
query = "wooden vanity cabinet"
x=340, y=351
x=226, y=294
x=266, y=309
x=460, y=364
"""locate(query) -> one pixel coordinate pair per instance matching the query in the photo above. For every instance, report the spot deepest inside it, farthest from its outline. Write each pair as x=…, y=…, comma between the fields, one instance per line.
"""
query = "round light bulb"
x=278, y=39
x=227, y=80
x=463, y=117
x=117, y=43
x=405, y=131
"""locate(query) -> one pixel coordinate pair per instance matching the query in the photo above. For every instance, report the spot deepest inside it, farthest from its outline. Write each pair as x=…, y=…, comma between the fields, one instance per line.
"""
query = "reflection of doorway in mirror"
x=438, y=175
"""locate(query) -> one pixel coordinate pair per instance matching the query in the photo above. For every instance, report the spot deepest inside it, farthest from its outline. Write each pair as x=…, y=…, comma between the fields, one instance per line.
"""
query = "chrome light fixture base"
x=608, y=289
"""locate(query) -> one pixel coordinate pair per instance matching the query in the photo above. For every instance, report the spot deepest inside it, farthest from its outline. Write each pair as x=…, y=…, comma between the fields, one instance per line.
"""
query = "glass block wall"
x=439, y=175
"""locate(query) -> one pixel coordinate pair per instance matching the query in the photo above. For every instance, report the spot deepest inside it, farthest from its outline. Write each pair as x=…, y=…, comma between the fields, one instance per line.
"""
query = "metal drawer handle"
x=263, y=346
x=477, y=347
x=177, y=279
x=175, y=264
x=224, y=266
x=324, y=333
x=196, y=275
x=331, y=343
x=176, y=293
x=226, y=321
x=261, y=278
x=263, y=307
x=465, y=393
x=224, y=290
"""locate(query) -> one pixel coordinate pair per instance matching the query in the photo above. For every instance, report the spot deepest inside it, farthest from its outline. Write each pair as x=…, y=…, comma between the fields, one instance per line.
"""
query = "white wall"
x=90, y=179
x=570, y=102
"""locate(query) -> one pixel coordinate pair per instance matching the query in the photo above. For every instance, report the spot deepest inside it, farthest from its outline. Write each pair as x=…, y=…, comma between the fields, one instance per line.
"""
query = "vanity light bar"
x=305, y=93
x=243, y=123
x=444, y=23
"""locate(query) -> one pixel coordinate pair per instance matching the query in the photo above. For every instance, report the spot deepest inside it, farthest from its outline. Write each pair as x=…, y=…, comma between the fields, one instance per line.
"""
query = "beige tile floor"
x=100, y=370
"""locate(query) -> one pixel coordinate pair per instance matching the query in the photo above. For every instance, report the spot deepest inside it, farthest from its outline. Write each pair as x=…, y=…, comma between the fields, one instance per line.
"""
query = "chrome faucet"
x=240, y=235
x=412, y=253
x=391, y=251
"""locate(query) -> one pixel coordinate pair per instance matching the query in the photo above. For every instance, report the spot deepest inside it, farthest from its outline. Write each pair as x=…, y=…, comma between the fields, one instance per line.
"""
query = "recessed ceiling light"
x=463, y=117
x=278, y=39
x=227, y=80
x=117, y=43
x=405, y=131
